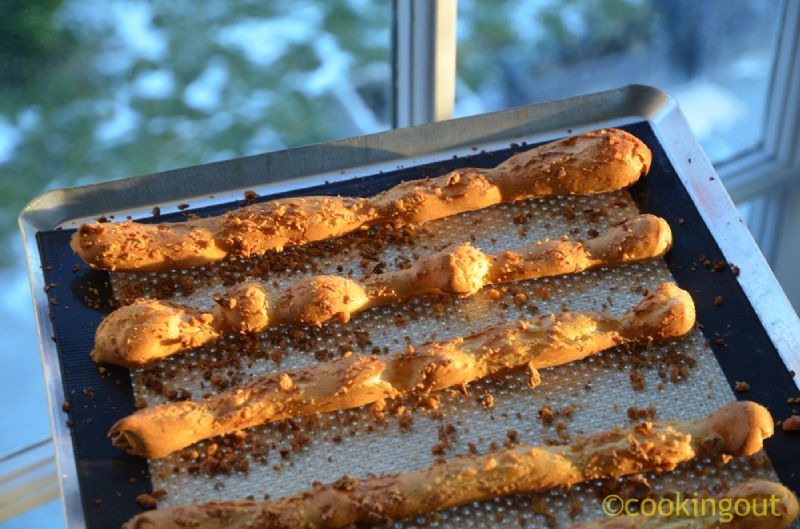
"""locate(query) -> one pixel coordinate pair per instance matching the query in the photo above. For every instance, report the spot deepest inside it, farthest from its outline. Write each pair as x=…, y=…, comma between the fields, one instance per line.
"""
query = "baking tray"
x=760, y=331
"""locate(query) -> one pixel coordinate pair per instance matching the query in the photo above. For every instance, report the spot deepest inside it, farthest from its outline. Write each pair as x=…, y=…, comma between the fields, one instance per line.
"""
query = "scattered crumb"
x=637, y=380
x=150, y=501
x=405, y=420
x=487, y=400
x=638, y=414
x=546, y=414
x=542, y=293
x=792, y=424
x=513, y=437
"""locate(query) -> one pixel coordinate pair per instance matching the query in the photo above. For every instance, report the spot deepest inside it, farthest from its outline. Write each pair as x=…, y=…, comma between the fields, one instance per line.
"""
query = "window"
x=715, y=57
x=724, y=61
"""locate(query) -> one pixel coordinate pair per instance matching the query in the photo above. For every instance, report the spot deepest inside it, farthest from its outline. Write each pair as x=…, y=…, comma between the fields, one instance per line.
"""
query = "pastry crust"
x=595, y=162
x=355, y=380
x=735, y=430
x=148, y=330
x=763, y=517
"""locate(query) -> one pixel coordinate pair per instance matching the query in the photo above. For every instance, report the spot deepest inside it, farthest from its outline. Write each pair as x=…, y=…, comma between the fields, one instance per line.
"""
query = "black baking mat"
x=110, y=480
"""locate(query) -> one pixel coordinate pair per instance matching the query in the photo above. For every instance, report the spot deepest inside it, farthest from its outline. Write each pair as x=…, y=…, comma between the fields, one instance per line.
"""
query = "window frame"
x=774, y=160
x=423, y=61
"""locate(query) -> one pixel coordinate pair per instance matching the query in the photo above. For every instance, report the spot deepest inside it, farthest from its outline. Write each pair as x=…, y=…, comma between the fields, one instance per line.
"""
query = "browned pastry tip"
x=782, y=511
x=740, y=427
x=133, y=335
x=665, y=313
x=635, y=239
x=553, y=339
x=244, y=308
x=644, y=447
x=130, y=245
x=770, y=506
x=148, y=330
x=595, y=162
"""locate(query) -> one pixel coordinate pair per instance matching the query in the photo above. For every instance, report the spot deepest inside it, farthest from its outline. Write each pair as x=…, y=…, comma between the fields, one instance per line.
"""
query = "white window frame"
x=423, y=61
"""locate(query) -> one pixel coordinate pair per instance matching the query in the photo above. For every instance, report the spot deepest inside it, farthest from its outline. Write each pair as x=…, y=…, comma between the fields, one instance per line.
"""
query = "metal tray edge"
x=62, y=439
x=756, y=278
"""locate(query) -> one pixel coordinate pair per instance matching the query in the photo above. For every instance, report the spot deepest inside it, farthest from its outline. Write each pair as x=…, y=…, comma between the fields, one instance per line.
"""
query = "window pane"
x=714, y=56
x=765, y=214
x=97, y=89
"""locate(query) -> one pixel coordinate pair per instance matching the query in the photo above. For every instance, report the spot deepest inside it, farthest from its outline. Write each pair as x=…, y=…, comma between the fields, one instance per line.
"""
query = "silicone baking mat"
x=681, y=380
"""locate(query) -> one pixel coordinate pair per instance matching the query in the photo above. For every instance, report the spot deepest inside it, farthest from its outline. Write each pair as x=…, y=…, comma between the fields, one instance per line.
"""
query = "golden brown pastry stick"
x=355, y=380
x=148, y=330
x=596, y=162
x=772, y=506
x=735, y=430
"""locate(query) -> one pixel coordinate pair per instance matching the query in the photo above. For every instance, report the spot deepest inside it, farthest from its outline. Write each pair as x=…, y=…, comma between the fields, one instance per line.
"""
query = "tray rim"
x=312, y=165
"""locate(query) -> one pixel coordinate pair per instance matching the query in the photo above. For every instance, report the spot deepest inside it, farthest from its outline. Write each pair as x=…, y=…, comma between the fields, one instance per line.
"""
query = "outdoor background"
x=94, y=90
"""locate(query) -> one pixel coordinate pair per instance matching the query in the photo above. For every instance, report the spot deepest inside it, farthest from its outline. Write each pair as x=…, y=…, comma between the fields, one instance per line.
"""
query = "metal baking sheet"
x=759, y=329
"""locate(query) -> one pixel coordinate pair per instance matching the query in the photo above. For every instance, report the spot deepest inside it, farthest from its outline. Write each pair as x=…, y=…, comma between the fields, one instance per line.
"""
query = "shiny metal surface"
x=345, y=159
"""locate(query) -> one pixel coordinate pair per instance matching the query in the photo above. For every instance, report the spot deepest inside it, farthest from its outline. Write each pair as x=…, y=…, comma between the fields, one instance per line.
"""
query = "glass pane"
x=714, y=56
x=765, y=214
x=97, y=89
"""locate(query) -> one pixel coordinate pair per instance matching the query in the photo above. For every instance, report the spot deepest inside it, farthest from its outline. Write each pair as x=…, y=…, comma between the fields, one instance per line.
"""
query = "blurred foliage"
x=609, y=26
x=86, y=118
x=542, y=36
x=30, y=40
